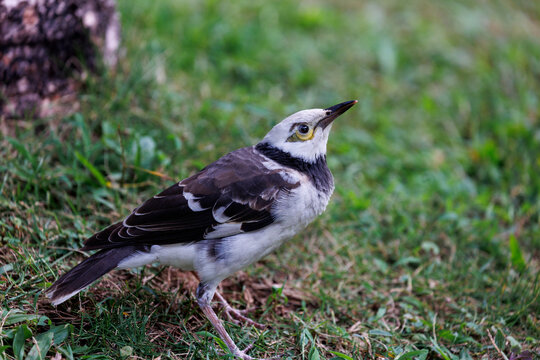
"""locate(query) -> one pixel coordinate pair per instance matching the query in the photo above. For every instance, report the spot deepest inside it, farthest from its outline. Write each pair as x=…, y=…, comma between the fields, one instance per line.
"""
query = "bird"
x=223, y=218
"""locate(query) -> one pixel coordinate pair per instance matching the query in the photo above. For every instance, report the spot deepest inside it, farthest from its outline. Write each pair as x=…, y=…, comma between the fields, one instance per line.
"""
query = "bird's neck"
x=316, y=170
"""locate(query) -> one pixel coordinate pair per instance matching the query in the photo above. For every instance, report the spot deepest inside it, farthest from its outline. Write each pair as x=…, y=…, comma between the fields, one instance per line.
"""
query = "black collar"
x=317, y=171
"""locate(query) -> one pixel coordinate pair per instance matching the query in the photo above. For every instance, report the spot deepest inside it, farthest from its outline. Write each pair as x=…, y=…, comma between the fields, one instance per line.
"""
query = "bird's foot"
x=204, y=294
x=237, y=316
x=242, y=354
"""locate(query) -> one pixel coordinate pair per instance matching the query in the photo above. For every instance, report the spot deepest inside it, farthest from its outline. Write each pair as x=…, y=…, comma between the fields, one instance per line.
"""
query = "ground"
x=429, y=248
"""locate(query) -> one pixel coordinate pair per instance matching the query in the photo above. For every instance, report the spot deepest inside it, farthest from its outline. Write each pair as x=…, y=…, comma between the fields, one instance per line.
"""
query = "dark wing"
x=233, y=195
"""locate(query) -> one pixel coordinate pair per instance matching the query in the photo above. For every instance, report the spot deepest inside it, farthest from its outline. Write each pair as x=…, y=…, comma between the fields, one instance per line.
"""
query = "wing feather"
x=233, y=195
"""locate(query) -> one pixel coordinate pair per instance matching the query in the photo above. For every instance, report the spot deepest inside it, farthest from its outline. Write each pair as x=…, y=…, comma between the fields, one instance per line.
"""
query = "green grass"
x=429, y=249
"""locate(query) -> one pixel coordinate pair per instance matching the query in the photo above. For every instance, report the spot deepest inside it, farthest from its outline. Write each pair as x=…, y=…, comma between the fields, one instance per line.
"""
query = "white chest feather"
x=301, y=206
x=293, y=212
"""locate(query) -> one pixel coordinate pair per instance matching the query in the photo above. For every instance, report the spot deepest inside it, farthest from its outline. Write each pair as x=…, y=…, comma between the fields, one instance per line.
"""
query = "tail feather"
x=87, y=272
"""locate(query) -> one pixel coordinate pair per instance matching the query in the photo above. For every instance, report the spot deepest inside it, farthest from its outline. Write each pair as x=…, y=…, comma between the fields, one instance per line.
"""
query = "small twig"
x=366, y=337
x=151, y=172
x=434, y=323
x=67, y=248
x=37, y=347
x=4, y=319
x=495, y=345
x=355, y=327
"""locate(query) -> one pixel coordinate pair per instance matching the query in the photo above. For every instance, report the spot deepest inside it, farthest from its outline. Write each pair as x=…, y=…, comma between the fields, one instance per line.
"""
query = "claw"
x=204, y=294
x=242, y=355
x=236, y=316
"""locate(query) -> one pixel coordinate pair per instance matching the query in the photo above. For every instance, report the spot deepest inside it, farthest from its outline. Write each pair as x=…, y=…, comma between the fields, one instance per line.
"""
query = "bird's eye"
x=304, y=132
x=303, y=129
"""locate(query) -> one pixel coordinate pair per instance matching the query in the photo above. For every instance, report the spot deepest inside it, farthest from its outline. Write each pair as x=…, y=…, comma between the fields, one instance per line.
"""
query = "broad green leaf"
x=6, y=268
x=43, y=321
x=41, y=347
x=516, y=255
x=430, y=246
x=314, y=354
x=414, y=355
x=126, y=351
x=340, y=355
x=61, y=332
x=464, y=355
x=407, y=260
x=514, y=344
x=379, y=332
x=67, y=351
x=22, y=333
x=381, y=264
x=500, y=340
x=16, y=316
x=380, y=313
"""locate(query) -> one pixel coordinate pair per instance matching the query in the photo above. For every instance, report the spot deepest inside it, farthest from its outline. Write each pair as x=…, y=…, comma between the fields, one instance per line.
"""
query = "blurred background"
x=430, y=246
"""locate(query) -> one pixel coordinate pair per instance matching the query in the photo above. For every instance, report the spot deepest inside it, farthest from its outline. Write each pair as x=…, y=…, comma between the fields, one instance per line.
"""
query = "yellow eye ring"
x=304, y=132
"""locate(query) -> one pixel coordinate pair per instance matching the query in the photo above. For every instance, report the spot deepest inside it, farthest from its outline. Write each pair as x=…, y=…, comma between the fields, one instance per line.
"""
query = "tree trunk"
x=46, y=50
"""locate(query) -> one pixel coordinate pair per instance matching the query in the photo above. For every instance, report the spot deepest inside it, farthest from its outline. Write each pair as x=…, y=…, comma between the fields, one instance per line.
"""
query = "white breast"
x=293, y=212
x=301, y=206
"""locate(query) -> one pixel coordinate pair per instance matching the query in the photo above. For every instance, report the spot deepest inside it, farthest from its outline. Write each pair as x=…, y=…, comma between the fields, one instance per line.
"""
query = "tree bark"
x=47, y=48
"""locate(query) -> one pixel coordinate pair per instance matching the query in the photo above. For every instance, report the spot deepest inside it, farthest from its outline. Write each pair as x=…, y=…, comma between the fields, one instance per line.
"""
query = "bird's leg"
x=204, y=296
x=235, y=315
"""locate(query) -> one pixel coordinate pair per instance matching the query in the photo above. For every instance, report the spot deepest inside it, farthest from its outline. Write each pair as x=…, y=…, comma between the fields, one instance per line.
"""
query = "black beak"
x=334, y=111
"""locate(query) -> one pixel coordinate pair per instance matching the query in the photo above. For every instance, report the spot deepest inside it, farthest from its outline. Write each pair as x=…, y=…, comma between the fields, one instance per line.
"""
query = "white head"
x=304, y=134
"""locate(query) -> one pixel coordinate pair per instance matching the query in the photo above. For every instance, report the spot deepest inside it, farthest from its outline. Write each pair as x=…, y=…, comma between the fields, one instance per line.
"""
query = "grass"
x=429, y=249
